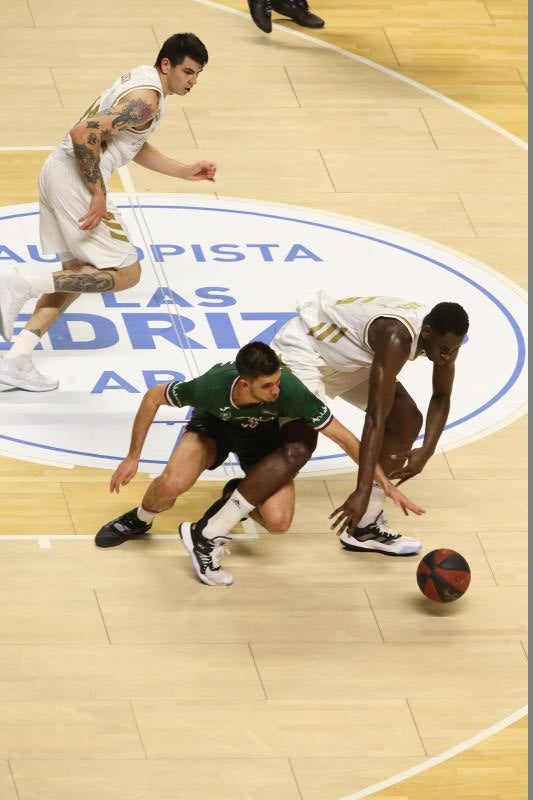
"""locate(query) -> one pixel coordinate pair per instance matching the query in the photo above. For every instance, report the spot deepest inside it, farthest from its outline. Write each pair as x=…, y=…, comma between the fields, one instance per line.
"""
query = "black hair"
x=448, y=318
x=179, y=46
x=256, y=359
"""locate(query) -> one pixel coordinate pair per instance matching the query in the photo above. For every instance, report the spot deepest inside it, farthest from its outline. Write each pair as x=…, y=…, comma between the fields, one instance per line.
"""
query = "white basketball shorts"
x=63, y=199
x=293, y=346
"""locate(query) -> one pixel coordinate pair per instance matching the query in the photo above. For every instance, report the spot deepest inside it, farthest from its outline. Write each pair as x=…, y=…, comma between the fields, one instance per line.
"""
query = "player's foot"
x=261, y=13
x=14, y=291
x=20, y=373
x=122, y=529
x=298, y=10
x=379, y=538
x=205, y=553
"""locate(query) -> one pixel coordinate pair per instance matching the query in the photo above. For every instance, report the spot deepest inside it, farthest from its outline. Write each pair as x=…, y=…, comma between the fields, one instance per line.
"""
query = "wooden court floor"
x=318, y=674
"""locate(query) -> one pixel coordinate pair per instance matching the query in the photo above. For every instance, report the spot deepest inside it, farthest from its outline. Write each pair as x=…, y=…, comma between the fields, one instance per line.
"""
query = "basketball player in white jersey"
x=77, y=219
x=354, y=348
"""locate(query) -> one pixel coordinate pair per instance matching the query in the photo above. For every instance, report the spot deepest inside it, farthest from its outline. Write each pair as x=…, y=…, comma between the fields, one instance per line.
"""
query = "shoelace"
x=268, y=6
x=218, y=551
x=385, y=531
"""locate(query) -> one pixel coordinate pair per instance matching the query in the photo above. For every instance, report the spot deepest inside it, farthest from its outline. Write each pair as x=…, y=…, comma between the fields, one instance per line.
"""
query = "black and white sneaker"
x=119, y=530
x=205, y=553
x=379, y=538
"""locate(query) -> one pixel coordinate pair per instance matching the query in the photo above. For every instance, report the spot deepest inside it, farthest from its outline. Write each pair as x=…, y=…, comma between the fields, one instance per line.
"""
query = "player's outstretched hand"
x=347, y=516
x=201, y=171
x=411, y=463
x=123, y=474
x=403, y=502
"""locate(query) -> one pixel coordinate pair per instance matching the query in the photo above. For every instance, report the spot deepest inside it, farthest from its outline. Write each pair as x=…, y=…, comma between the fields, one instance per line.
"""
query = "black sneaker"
x=119, y=530
x=298, y=10
x=205, y=553
x=261, y=13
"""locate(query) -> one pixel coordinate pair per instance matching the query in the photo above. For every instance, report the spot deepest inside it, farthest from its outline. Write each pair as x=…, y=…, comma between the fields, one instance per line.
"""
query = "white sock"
x=375, y=506
x=146, y=516
x=24, y=345
x=40, y=281
x=228, y=516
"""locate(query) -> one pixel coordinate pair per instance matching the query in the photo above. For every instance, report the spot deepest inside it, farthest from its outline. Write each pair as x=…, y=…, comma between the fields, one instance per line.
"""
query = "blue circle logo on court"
x=218, y=273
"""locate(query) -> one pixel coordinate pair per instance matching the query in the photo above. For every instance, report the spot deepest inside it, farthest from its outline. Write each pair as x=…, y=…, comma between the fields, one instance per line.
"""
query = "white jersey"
x=338, y=326
x=124, y=146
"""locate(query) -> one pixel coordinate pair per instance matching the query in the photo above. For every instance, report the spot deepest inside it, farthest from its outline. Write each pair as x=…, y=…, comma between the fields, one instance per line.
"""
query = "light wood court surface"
x=319, y=673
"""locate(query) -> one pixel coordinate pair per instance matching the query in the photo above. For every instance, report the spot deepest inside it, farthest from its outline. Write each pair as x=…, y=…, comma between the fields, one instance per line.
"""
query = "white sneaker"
x=205, y=554
x=14, y=291
x=20, y=373
x=379, y=538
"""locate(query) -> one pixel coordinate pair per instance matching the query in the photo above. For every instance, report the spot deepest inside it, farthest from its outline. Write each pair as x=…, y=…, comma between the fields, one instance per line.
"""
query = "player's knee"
x=171, y=485
x=278, y=521
x=129, y=276
x=296, y=454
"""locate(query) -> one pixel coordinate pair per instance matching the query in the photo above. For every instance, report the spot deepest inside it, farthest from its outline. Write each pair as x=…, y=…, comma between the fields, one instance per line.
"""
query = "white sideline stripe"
x=30, y=147
x=44, y=541
x=447, y=754
x=387, y=71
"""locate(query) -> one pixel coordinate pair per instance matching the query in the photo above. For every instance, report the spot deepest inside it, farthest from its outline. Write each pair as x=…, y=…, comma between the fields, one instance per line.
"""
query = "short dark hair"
x=256, y=359
x=181, y=45
x=448, y=318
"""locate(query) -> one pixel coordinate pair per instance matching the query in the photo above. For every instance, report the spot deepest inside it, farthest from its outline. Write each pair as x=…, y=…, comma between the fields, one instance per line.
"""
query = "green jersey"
x=211, y=393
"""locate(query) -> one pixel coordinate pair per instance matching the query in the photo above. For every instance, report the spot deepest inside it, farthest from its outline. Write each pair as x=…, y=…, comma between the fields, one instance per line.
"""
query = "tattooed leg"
x=98, y=281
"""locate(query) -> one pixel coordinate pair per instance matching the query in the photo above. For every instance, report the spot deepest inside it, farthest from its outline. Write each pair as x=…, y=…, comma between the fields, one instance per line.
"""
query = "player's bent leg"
x=277, y=512
x=402, y=426
x=191, y=456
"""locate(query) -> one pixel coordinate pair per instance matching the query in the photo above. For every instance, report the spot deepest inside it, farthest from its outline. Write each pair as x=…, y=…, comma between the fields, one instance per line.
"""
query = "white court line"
x=45, y=541
x=433, y=762
x=380, y=68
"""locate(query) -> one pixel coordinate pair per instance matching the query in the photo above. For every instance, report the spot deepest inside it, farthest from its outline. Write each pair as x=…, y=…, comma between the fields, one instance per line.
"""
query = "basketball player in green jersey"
x=238, y=407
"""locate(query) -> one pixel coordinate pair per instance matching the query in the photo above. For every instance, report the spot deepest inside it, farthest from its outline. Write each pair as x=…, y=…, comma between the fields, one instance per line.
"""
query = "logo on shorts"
x=217, y=274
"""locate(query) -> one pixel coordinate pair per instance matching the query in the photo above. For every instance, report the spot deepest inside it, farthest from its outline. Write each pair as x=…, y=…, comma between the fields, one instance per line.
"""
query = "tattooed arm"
x=150, y=158
x=135, y=110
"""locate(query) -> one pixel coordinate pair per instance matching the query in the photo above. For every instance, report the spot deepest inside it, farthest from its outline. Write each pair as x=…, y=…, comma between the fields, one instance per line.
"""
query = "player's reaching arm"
x=414, y=461
x=127, y=469
x=135, y=110
x=150, y=158
x=354, y=507
x=391, y=343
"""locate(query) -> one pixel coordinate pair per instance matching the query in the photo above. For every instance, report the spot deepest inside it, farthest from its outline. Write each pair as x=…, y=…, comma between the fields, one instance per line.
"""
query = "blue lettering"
x=154, y=378
x=10, y=255
x=110, y=301
x=225, y=250
x=164, y=295
x=222, y=330
x=280, y=317
x=112, y=380
x=104, y=333
x=216, y=299
x=159, y=251
x=265, y=250
x=295, y=250
x=171, y=327
x=198, y=252
x=35, y=255
x=22, y=319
